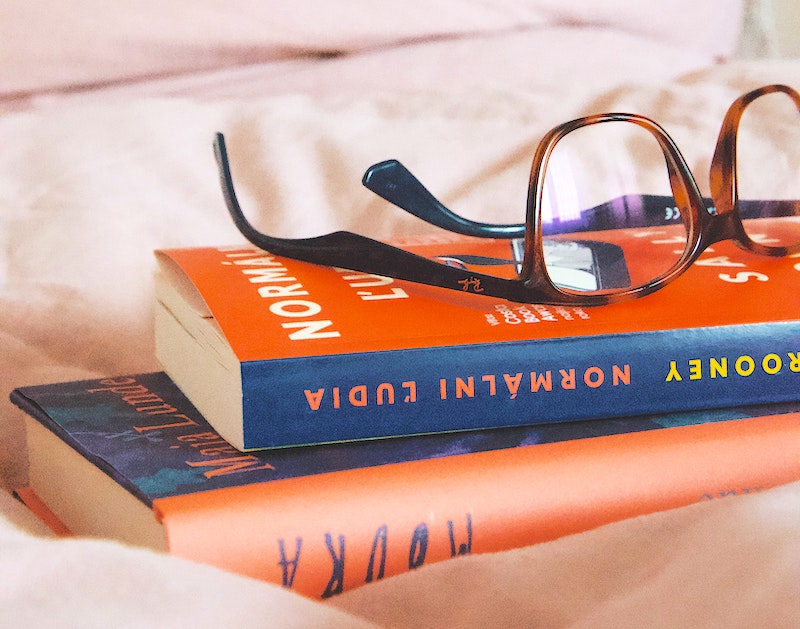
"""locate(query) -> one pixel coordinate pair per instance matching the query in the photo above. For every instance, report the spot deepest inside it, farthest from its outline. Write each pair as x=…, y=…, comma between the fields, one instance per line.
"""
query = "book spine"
x=325, y=534
x=438, y=389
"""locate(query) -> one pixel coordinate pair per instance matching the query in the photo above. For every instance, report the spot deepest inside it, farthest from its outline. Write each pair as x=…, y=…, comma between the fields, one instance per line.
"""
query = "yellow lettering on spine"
x=718, y=367
x=695, y=369
x=673, y=374
x=745, y=365
x=771, y=364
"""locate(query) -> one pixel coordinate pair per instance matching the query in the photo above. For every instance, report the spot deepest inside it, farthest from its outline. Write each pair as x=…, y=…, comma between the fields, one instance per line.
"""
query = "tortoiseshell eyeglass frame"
x=396, y=184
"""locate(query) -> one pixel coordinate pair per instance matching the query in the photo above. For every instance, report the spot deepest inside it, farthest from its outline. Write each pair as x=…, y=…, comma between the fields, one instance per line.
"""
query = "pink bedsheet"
x=106, y=120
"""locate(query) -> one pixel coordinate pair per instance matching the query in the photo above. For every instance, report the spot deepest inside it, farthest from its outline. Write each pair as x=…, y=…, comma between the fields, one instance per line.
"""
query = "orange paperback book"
x=130, y=458
x=276, y=352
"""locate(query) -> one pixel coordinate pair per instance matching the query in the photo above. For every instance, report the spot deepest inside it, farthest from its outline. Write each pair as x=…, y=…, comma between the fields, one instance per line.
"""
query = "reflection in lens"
x=586, y=265
x=768, y=170
x=608, y=216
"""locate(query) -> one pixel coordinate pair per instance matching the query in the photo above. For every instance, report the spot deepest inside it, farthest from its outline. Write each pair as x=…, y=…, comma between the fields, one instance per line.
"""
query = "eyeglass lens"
x=768, y=170
x=608, y=215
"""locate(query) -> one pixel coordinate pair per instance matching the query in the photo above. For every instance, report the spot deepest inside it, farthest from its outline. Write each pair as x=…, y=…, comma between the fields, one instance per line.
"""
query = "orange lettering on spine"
x=233, y=465
x=358, y=395
x=541, y=381
x=314, y=399
x=512, y=382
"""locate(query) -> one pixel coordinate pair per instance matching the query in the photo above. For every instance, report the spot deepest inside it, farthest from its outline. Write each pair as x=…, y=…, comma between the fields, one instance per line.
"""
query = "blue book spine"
x=441, y=389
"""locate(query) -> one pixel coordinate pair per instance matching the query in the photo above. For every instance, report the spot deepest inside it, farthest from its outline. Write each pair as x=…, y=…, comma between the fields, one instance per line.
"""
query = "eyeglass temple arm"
x=395, y=183
x=359, y=253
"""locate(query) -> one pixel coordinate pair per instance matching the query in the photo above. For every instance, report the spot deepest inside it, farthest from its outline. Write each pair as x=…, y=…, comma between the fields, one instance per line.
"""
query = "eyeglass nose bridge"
x=718, y=227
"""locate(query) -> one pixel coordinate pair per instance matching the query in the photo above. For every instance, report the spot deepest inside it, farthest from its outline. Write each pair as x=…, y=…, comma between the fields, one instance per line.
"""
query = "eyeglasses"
x=576, y=246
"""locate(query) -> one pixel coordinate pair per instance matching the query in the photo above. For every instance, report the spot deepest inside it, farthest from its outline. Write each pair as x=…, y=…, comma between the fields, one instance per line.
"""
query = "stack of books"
x=321, y=429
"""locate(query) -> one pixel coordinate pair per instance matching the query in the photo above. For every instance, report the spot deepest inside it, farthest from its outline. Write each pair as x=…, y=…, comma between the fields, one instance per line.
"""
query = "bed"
x=107, y=115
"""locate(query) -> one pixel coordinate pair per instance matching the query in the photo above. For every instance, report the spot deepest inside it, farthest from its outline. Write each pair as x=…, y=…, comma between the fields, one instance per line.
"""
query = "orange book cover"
x=324, y=519
x=253, y=339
